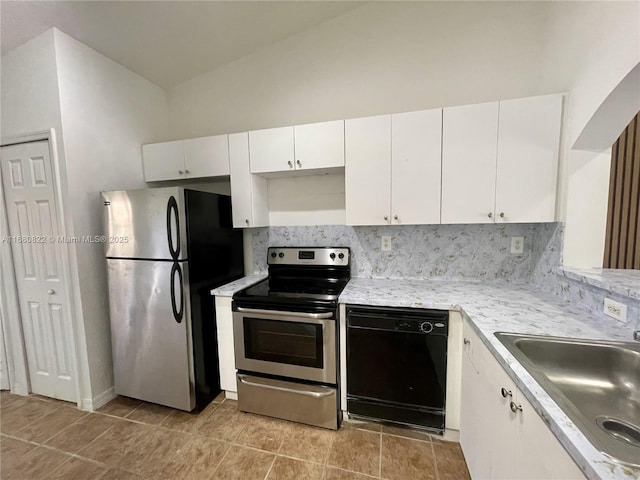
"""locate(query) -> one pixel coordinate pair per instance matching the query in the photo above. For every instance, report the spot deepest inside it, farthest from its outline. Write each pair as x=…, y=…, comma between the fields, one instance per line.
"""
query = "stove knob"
x=281, y=254
x=273, y=254
x=332, y=256
x=341, y=256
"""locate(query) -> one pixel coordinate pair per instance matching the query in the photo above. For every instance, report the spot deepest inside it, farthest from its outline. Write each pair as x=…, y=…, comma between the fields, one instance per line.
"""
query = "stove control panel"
x=308, y=256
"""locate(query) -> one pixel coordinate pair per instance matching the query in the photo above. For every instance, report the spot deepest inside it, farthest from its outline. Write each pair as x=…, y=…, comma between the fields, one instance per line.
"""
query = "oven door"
x=297, y=345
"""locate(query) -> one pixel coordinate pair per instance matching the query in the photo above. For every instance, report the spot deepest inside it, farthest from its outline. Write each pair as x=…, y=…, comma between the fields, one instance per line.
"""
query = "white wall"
x=382, y=57
x=30, y=103
x=597, y=44
x=588, y=188
x=107, y=113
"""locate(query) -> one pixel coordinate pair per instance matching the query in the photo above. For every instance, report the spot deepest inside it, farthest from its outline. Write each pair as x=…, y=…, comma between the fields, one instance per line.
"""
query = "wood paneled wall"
x=622, y=243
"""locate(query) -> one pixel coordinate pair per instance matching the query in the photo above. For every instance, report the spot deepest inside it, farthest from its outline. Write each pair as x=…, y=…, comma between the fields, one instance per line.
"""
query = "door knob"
x=514, y=407
x=51, y=291
x=505, y=393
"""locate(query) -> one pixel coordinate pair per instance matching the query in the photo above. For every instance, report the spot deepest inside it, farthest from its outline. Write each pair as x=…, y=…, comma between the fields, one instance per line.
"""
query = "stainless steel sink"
x=597, y=384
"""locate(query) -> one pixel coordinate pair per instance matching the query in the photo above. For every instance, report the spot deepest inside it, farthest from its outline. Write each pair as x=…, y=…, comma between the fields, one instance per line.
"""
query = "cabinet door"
x=469, y=144
x=206, y=156
x=368, y=170
x=319, y=145
x=163, y=161
x=416, y=167
x=487, y=428
x=271, y=150
x=248, y=192
x=528, y=142
x=538, y=454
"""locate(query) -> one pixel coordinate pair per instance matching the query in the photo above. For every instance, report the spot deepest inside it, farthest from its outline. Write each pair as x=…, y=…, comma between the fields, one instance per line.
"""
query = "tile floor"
x=128, y=439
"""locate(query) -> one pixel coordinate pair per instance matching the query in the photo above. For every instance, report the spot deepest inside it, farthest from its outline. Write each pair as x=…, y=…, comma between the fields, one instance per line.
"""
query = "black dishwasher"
x=397, y=365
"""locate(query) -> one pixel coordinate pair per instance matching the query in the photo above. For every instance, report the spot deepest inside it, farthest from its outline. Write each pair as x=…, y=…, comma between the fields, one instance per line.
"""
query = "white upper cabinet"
x=368, y=170
x=392, y=173
x=249, y=194
x=163, y=161
x=500, y=161
x=271, y=150
x=319, y=145
x=469, y=147
x=528, y=142
x=303, y=147
x=193, y=158
x=416, y=167
x=206, y=156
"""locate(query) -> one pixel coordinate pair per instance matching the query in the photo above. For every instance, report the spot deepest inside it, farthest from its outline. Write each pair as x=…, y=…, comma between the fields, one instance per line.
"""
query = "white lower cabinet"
x=226, y=351
x=497, y=442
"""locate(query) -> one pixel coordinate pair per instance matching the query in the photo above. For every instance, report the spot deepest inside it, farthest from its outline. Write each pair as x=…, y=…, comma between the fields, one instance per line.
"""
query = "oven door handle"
x=243, y=379
x=259, y=311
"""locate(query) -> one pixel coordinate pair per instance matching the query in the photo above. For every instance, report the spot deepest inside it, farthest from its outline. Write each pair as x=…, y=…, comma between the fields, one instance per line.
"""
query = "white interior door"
x=28, y=186
x=4, y=372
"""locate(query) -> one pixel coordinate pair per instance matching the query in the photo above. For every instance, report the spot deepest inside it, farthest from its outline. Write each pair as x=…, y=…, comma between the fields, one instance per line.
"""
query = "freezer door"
x=151, y=331
x=145, y=224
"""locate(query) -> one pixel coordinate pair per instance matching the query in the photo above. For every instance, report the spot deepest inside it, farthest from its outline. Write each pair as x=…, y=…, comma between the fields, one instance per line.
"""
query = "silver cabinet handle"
x=467, y=341
x=490, y=215
x=386, y=218
x=180, y=172
x=515, y=408
x=285, y=314
x=501, y=214
x=187, y=171
x=395, y=217
x=244, y=380
x=51, y=291
x=505, y=393
x=246, y=220
x=290, y=164
x=299, y=163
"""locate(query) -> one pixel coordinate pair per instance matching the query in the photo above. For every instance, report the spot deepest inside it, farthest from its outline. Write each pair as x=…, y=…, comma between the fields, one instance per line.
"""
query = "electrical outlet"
x=386, y=243
x=616, y=310
x=517, y=245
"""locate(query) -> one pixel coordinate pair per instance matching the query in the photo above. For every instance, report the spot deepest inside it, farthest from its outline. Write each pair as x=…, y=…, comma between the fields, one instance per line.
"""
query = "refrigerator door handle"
x=172, y=214
x=177, y=313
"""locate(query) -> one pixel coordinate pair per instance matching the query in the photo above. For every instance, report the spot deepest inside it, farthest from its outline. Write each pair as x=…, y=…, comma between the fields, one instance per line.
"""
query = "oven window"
x=280, y=341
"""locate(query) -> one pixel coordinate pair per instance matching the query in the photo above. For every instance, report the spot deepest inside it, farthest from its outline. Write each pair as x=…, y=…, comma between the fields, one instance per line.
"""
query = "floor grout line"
x=435, y=462
x=380, y=457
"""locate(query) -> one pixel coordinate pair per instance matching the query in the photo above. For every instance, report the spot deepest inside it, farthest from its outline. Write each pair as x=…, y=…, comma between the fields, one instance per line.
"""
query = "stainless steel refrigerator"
x=166, y=248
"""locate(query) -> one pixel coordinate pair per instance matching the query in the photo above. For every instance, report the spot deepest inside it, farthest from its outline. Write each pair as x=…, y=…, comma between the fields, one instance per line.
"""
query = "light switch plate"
x=615, y=310
x=386, y=243
x=517, y=245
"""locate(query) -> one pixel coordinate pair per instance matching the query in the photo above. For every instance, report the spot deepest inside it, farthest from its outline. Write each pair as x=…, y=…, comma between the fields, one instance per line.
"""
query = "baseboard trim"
x=230, y=395
x=92, y=404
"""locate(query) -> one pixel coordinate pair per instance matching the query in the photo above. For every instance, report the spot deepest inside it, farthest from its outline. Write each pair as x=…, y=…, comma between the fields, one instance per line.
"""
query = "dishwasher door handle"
x=260, y=311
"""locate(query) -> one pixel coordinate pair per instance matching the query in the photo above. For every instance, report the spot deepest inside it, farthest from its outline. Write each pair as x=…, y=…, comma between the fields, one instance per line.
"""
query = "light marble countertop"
x=622, y=282
x=517, y=308
x=229, y=289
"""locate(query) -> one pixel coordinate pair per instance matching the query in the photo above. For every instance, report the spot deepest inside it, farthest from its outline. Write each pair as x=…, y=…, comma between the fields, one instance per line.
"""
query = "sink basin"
x=597, y=384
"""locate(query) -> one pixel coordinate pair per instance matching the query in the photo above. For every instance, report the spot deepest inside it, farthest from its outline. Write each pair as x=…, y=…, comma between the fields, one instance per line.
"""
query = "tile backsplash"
x=470, y=252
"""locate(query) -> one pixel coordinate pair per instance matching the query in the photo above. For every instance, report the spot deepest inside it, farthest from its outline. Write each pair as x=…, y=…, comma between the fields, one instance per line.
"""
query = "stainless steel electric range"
x=286, y=336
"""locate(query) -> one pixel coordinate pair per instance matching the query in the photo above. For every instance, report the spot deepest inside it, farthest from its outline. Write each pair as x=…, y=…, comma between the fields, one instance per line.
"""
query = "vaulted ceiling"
x=167, y=42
